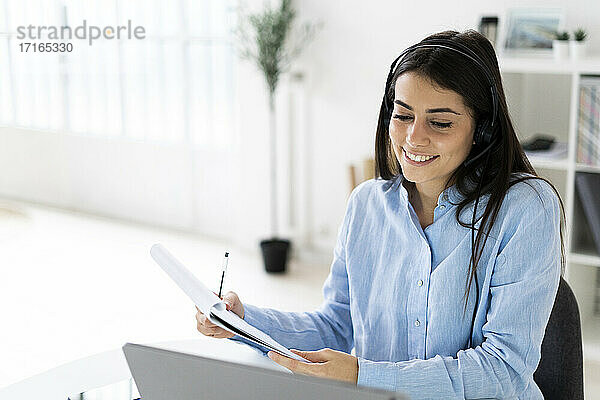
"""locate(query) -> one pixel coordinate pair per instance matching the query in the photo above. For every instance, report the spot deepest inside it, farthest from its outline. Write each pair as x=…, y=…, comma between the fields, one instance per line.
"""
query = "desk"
x=110, y=367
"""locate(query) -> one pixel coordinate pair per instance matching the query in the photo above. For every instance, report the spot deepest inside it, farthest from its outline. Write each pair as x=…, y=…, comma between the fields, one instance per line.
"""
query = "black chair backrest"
x=560, y=372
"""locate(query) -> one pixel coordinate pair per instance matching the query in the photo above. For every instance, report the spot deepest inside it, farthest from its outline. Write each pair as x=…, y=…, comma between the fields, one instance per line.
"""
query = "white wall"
x=150, y=183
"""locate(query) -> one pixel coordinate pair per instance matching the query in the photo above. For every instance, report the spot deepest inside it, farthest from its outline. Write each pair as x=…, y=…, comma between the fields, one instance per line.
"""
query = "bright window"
x=174, y=86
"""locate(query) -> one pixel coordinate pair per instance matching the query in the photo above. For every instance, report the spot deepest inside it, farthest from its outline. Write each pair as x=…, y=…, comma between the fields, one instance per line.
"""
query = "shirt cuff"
x=380, y=375
x=252, y=316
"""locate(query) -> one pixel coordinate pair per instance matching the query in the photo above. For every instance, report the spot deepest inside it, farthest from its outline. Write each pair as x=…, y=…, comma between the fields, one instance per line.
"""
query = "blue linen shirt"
x=395, y=293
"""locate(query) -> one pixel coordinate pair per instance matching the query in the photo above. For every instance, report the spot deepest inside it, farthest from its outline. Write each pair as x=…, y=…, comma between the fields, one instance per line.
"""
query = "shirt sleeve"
x=329, y=326
x=523, y=287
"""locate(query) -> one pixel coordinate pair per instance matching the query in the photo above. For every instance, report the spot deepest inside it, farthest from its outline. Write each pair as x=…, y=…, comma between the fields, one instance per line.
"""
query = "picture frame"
x=530, y=31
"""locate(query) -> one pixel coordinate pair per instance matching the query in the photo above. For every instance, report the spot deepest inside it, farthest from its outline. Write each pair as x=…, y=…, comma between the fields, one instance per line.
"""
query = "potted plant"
x=560, y=45
x=578, y=46
x=265, y=39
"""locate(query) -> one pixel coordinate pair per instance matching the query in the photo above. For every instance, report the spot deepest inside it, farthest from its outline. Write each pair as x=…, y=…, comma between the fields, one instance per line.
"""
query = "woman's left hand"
x=327, y=363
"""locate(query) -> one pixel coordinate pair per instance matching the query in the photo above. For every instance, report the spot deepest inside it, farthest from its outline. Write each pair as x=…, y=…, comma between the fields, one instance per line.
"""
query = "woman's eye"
x=402, y=117
x=442, y=125
x=435, y=124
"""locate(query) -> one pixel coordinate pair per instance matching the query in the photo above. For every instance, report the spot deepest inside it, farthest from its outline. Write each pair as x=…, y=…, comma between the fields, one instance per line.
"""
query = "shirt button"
x=417, y=323
x=420, y=282
x=442, y=207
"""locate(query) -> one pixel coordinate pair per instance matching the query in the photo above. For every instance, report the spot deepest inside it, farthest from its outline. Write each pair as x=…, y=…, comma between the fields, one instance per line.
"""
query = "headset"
x=484, y=135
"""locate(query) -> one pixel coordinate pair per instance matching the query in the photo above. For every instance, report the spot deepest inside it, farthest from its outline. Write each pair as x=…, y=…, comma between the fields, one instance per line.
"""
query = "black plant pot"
x=275, y=254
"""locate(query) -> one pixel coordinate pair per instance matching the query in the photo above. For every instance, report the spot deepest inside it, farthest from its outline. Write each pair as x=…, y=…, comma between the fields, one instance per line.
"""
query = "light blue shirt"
x=395, y=293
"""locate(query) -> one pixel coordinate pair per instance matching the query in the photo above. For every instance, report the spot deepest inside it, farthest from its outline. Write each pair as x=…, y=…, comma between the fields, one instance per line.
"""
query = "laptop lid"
x=164, y=375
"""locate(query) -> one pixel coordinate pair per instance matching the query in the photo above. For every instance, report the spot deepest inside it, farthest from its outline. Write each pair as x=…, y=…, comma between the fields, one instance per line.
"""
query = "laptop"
x=169, y=375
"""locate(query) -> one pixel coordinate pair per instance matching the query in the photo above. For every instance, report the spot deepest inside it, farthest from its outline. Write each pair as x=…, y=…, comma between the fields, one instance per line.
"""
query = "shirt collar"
x=449, y=194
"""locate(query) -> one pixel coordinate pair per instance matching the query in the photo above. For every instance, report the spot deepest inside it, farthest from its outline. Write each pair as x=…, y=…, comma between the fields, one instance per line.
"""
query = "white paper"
x=211, y=305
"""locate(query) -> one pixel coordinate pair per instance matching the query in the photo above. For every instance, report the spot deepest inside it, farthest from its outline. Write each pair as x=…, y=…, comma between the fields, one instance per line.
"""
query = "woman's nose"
x=416, y=135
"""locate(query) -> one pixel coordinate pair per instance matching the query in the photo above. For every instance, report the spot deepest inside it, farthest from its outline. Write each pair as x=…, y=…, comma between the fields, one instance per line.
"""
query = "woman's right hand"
x=207, y=328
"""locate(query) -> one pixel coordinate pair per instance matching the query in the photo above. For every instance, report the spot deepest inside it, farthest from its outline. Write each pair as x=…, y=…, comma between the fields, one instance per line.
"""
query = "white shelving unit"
x=543, y=97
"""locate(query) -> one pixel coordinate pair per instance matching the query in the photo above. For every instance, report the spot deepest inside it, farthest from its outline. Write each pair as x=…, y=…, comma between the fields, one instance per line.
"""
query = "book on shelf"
x=597, y=299
x=588, y=124
x=588, y=188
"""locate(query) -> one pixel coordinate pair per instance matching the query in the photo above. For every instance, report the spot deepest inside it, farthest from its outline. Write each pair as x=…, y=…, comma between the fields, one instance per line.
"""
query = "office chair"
x=560, y=372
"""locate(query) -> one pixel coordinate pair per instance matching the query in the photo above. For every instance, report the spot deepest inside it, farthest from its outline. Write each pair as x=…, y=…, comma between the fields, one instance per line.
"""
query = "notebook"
x=211, y=305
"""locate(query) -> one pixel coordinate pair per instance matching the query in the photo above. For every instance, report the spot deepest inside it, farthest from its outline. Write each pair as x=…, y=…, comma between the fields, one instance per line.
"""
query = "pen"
x=225, y=260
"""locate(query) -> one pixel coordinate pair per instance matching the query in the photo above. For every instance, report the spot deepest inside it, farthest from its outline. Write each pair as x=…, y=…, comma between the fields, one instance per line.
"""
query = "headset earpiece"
x=483, y=133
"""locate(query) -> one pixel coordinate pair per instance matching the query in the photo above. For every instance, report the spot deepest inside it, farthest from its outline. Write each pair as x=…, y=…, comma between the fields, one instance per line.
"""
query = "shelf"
x=549, y=163
x=587, y=168
x=548, y=65
x=584, y=257
x=591, y=338
x=544, y=95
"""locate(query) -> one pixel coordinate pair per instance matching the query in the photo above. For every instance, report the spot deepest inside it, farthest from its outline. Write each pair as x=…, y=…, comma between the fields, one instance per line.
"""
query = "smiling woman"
x=433, y=305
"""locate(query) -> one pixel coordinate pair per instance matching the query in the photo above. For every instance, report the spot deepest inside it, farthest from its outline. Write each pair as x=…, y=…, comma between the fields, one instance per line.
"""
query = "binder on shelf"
x=588, y=187
x=597, y=299
x=588, y=125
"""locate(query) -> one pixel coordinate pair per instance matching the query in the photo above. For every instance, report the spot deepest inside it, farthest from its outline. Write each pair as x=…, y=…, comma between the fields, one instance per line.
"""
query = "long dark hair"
x=491, y=174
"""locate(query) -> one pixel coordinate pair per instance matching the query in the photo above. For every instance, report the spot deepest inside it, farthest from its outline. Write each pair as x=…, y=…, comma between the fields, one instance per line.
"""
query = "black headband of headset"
x=449, y=45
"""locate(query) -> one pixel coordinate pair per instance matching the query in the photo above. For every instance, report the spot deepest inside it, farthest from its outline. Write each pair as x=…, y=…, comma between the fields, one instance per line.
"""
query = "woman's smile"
x=418, y=159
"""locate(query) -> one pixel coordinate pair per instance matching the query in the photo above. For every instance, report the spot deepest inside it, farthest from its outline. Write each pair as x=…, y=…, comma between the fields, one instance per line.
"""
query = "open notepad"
x=210, y=304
